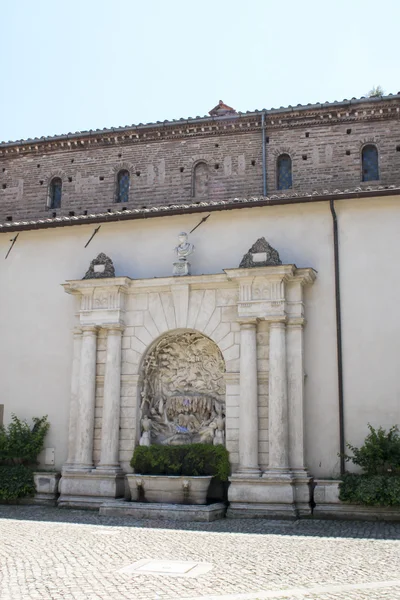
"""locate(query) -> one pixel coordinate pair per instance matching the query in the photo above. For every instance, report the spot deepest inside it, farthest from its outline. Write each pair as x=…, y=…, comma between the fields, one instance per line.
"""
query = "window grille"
x=370, y=163
x=284, y=172
x=123, y=182
x=55, y=192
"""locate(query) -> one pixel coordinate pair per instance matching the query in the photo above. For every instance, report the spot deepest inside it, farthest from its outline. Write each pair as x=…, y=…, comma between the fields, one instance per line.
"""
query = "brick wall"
x=214, y=160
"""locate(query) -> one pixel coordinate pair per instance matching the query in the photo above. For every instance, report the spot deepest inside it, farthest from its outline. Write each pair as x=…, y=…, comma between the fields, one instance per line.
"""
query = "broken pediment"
x=261, y=254
x=100, y=267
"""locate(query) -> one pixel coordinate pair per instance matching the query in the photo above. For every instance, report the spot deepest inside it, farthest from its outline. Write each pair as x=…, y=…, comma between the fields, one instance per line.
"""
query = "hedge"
x=16, y=481
x=187, y=459
x=371, y=490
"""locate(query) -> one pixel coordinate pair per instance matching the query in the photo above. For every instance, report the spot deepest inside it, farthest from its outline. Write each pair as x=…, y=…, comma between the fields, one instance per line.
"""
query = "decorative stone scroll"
x=183, y=392
x=100, y=267
x=261, y=254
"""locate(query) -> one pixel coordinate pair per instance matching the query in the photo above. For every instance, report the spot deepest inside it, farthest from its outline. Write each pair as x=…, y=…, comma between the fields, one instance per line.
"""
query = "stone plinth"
x=258, y=497
x=181, y=267
x=174, y=512
x=46, y=485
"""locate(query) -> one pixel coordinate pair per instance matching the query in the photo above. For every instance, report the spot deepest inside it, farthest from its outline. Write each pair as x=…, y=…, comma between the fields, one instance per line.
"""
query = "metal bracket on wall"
x=12, y=244
x=202, y=221
x=92, y=236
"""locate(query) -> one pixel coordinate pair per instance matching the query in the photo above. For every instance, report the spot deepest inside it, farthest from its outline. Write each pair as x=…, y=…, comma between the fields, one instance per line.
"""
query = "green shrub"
x=379, y=457
x=371, y=490
x=188, y=459
x=380, y=453
x=21, y=444
x=16, y=481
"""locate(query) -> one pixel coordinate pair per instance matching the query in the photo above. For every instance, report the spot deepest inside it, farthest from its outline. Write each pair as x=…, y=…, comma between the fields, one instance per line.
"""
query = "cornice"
x=278, y=272
x=82, y=286
x=348, y=111
x=199, y=207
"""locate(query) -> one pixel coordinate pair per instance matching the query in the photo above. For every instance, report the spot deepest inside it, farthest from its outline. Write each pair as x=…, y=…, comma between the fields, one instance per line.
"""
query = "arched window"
x=123, y=180
x=200, y=180
x=284, y=172
x=55, y=193
x=370, y=163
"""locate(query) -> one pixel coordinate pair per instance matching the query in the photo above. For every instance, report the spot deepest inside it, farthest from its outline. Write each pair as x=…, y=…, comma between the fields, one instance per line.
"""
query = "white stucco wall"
x=37, y=316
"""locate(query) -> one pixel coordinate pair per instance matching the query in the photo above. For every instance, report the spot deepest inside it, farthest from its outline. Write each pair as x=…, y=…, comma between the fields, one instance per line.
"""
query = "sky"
x=69, y=65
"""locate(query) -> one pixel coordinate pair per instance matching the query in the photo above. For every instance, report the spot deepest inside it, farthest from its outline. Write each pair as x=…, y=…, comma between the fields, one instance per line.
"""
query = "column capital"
x=113, y=329
x=89, y=329
x=248, y=323
x=77, y=332
x=281, y=324
x=296, y=322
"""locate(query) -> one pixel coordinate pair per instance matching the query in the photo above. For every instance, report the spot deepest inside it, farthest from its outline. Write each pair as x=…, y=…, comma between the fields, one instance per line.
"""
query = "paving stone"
x=53, y=554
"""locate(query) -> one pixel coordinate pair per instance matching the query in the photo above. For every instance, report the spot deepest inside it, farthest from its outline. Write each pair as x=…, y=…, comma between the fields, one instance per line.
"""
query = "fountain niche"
x=183, y=391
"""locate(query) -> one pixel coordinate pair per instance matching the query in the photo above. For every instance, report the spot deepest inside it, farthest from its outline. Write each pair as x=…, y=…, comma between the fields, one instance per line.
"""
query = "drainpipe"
x=264, y=154
x=338, y=336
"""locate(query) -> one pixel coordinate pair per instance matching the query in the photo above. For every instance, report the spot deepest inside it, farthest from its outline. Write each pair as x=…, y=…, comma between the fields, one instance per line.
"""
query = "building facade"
x=309, y=345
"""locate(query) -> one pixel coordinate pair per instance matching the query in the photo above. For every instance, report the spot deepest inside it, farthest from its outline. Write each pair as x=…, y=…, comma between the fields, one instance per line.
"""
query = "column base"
x=89, y=490
x=246, y=472
x=109, y=469
x=281, y=474
x=76, y=468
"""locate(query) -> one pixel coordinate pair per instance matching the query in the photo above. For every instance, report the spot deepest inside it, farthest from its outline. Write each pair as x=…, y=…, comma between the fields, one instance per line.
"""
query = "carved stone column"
x=278, y=401
x=248, y=409
x=294, y=338
x=86, y=399
x=109, y=460
x=74, y=401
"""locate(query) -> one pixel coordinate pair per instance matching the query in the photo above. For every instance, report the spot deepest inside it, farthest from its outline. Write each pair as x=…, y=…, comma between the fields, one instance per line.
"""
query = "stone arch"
x=284, y=150
x=122, y=166
x=200, y=179
x=181, y=391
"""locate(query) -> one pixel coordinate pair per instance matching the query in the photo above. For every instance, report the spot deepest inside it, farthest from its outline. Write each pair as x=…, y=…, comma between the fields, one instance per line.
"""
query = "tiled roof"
x=206, y=206
x=192, y=120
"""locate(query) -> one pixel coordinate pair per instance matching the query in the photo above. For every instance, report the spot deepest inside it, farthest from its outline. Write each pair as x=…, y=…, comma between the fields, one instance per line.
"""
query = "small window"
x=55, y=193
x=284, y=169
x=123, y=181
x=370, y=163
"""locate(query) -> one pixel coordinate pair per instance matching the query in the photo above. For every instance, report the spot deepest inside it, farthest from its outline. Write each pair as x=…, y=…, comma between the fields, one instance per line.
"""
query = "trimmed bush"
x=16, y=481
x=188, y=459
x=371, y=490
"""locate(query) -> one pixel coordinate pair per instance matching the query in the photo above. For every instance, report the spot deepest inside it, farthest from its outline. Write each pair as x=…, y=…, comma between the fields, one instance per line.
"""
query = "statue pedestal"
x=181, y=267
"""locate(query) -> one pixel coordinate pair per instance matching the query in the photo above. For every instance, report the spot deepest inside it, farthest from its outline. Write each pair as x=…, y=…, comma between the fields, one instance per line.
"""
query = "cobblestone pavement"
x=53, y=554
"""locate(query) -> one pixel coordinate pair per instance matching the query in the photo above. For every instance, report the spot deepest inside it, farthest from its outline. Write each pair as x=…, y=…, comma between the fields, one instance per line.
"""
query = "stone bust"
x=184, y=248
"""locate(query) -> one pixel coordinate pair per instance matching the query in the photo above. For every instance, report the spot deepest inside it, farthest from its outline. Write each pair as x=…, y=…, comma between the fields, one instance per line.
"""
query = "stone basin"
x=169, y=488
